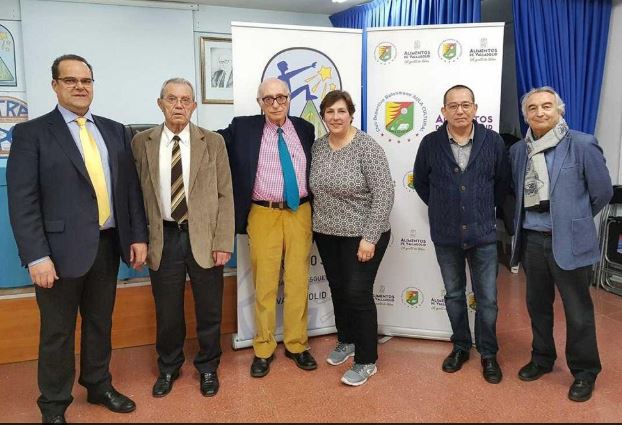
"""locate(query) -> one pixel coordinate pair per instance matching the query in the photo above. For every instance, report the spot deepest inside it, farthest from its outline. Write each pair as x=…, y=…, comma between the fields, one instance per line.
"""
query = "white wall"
x=216, y=21
x=609, y=123
x=207, y=20
x=132, y=49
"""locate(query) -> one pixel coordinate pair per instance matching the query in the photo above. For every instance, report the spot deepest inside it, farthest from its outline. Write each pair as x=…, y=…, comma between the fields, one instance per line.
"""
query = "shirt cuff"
x=40, y=260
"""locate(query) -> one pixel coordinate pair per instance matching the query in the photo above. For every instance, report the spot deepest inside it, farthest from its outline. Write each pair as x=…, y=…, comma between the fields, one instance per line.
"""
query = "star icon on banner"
x=326, y=73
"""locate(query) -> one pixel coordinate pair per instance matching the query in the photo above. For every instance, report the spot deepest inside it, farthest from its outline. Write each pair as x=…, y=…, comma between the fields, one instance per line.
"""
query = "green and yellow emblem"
x=399, y=117
x=450, y=50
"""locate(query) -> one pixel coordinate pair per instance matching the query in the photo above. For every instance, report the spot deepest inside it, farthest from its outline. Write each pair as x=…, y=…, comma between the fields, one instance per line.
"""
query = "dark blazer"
x=52, y=203
x=461, y=204
x=243, y=139
x=580, y=187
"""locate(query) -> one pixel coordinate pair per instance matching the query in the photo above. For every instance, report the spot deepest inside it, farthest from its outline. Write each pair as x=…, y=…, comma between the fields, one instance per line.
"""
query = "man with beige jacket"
x=186, y=183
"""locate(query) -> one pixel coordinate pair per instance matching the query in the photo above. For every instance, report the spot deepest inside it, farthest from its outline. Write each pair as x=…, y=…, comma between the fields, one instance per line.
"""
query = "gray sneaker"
x=340, y=354
x=359, y=374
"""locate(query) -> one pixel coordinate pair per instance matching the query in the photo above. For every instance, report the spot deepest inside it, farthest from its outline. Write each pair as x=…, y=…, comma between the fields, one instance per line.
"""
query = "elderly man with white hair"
x=561, y=183
x=270, y=158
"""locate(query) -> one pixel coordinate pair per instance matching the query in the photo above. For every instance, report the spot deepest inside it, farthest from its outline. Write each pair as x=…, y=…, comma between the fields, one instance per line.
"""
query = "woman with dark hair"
x=353, y=197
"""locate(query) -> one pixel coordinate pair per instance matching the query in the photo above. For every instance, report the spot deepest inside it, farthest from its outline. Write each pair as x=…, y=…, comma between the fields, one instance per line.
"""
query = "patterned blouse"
x=352, y=188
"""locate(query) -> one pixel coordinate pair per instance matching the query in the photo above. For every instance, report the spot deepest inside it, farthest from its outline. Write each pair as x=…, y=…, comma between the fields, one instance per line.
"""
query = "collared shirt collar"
x=184, y=135
x=452, y=140
x=272, y=127
x=69, y=116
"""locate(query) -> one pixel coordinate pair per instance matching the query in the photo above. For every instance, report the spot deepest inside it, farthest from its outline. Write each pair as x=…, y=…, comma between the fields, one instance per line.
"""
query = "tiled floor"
x=410, y=386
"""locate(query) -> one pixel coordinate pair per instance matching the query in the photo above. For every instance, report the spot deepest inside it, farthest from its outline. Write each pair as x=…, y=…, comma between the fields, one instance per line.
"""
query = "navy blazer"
x=243, y=139
x=52, y=203
x=580, y=187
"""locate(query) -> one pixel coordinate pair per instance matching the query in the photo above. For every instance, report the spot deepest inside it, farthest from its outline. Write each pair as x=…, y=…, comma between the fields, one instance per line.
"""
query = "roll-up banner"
x=408, y=71
x=313, y=61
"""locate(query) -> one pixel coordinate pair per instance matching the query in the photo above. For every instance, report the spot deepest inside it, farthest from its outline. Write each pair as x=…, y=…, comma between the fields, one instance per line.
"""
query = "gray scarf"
x=537, y=175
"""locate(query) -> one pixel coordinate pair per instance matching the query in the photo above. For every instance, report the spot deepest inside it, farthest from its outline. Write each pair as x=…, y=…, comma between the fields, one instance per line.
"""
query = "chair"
x=608, y=271
x=137, y=128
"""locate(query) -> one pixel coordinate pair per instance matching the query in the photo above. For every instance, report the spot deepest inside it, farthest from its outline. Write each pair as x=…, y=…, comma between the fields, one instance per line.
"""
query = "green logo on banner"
x=385, y=52
x=311, y=114
x=399, y=117
x=412, y=297
x=450, y=50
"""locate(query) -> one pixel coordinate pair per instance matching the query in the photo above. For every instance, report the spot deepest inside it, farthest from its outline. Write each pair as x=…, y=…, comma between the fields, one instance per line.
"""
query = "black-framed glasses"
x=185, y=101
x=453, y=107
x=71, y=82
x=269, y=100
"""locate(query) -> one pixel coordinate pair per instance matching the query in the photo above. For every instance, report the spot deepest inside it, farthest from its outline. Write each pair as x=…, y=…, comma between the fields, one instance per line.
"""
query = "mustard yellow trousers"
x=280, y=238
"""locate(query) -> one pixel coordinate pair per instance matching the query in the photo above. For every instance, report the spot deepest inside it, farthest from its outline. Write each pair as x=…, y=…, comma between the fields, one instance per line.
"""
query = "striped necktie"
x=95, y=170
x=179, y=208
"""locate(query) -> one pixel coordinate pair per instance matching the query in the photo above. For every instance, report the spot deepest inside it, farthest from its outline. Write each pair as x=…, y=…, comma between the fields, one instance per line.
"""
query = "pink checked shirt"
x=269, y=179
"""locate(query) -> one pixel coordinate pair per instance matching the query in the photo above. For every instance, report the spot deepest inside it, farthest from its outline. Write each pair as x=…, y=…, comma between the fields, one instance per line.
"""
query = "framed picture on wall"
x=216, y=70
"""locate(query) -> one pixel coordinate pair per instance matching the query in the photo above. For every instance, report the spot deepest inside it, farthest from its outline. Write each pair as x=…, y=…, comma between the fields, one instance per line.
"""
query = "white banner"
x=313, y=61
x=408, y=71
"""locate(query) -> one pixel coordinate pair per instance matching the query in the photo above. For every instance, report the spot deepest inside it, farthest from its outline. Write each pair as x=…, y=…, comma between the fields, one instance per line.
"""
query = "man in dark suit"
x=561, y=182
x=270, y=158
x=186, y=182
x=75, y=207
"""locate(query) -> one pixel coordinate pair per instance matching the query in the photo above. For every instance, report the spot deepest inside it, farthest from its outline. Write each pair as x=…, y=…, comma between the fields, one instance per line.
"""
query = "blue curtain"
x=391, y=13
x=562, y=44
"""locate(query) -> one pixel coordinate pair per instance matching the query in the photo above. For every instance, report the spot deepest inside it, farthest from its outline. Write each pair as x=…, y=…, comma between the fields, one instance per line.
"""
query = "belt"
x=182, y=227
x=282, y=205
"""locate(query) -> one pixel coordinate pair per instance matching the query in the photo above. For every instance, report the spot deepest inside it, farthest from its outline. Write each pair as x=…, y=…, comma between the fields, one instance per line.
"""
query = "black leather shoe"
x=164, y=384
x=260, y=367
x=113, y=401
x=531, y=371
x=491, y=370
x=303, y=360
x=209, y=384
x=581, y=390
x=454, y=361
x=56, y=419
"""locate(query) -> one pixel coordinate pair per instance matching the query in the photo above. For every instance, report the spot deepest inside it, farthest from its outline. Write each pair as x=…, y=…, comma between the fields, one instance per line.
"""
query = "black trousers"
x=93, y=294
x=543, y=274
x=352, y=289
x=168, y=284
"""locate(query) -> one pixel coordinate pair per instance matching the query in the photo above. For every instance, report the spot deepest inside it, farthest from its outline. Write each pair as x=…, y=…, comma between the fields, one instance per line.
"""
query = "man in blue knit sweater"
x=462, y=173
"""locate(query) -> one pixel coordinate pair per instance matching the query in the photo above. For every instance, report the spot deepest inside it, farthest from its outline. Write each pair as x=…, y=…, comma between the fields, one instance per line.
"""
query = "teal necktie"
x=290, y=185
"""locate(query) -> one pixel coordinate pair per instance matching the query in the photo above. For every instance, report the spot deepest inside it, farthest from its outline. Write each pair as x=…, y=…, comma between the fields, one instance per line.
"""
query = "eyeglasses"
x=72, y=82
x=453, y=107
x=269, y=100
x=185, y=101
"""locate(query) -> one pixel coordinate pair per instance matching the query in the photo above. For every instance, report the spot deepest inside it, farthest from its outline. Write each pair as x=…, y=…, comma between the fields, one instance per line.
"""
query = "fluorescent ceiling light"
x=339, y=1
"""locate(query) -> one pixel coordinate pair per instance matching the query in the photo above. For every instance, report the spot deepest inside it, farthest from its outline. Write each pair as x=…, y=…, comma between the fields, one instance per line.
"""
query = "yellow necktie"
x=93, y=162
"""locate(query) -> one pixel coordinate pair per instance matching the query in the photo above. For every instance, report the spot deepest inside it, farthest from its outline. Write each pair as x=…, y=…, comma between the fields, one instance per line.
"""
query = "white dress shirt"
x=166, y=152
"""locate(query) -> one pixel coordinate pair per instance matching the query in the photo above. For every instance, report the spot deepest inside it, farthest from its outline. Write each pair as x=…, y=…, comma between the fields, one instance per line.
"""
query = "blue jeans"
x=483, y=267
